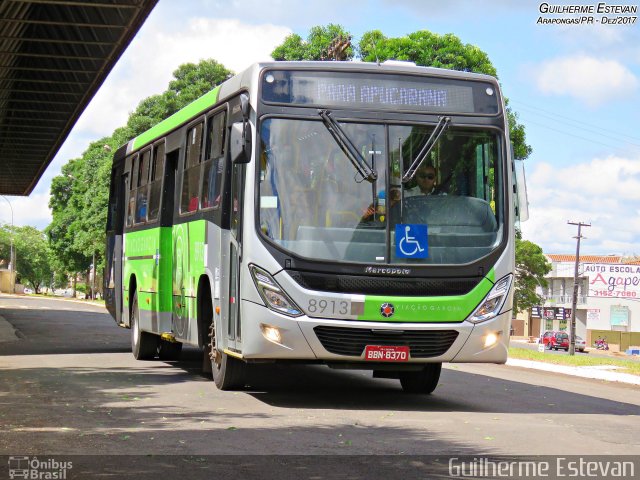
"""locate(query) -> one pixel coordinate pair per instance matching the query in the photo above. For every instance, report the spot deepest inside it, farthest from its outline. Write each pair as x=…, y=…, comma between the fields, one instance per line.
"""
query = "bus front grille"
x=351, y=341
x=371, y=285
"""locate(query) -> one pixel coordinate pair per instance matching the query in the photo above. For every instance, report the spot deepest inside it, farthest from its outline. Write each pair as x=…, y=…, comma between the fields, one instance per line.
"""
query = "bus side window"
x=131, y=191
x=155, y=186
x=141, y=193
x=214, y=156
x=191, y=175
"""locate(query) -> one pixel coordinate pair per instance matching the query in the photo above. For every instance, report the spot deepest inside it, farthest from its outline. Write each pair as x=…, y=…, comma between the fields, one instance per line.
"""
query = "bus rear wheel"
x=424, y=381
x=144, y=345
x=228, y=372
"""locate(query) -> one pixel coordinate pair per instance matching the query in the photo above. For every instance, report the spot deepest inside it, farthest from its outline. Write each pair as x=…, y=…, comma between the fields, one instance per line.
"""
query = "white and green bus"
x=281, y=218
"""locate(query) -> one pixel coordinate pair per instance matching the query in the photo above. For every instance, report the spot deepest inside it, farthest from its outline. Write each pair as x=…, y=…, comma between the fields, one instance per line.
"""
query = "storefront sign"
x=613, y=280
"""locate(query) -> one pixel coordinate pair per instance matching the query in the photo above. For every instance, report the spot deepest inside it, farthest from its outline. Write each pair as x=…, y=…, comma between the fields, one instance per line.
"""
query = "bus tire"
x=205, y=319
x=228, y=372
x=144, y=345
x=169, y=351
x=424, y=381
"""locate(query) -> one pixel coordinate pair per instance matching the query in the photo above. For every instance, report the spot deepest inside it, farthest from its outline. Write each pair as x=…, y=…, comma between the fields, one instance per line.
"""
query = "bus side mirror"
x=240, y=142
x=522, y=197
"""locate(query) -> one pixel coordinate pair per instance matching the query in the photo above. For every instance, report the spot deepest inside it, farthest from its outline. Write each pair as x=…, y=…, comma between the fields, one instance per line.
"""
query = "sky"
x=575, y=88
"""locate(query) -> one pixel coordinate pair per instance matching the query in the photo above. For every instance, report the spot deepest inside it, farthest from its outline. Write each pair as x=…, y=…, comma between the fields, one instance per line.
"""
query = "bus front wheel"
x=228, y=372
x=424, y=381
x=144, y=345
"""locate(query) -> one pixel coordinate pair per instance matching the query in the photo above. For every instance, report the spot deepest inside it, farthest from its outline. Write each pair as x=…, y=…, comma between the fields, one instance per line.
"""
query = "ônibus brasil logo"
x=387, y=310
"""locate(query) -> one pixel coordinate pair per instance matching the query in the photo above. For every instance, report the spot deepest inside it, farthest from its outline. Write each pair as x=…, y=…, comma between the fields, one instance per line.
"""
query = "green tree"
x=316, y=47
x=531, y=268
x=428, y=49
x=80, y=194
x=422, y=47
x=190, y=82
x=33, y=257
x=5, y=245
x=68, y=258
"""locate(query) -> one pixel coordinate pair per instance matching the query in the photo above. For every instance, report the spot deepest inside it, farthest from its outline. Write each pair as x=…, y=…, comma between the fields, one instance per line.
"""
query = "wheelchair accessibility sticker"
x=411, y=241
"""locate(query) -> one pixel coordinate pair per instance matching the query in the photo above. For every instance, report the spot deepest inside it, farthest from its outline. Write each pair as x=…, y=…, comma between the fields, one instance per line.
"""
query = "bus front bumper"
x=298, y=338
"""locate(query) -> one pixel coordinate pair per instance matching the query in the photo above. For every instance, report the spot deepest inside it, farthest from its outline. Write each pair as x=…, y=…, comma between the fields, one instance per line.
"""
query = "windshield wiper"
x=442, y=125
x=346, y=145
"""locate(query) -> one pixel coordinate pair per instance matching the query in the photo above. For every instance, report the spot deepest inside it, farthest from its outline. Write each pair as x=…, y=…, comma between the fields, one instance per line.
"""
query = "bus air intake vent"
x=351, y=341
x=368, y=285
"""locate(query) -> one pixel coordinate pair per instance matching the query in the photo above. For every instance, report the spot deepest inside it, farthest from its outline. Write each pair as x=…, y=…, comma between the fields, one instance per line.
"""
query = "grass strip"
x=578, y=360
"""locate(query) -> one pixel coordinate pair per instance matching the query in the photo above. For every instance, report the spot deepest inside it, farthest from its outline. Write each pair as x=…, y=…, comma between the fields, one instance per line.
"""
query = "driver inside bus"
x=426, y=182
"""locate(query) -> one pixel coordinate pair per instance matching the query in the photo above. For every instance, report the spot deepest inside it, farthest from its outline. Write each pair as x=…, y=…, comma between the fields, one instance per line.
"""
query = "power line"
x=576, y=136
x=598, y=128
x=591, y=130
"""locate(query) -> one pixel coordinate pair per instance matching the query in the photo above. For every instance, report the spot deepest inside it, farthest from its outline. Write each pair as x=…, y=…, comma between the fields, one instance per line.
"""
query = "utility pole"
x=574, y=302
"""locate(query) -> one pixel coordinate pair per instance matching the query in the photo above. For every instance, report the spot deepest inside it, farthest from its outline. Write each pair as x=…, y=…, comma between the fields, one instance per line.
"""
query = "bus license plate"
x=386, y=353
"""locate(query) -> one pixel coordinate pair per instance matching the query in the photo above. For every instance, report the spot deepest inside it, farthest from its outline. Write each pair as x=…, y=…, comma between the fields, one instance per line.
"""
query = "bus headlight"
x=493, y=302
x=273, y=295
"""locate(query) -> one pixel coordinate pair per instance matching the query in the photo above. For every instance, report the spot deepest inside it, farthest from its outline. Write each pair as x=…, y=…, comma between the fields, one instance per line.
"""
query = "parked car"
x=545, y=338
x=556, y=340
x=28, y=290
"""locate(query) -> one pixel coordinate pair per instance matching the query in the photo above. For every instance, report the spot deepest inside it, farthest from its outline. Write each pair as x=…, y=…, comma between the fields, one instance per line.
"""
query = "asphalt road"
x=70, y=386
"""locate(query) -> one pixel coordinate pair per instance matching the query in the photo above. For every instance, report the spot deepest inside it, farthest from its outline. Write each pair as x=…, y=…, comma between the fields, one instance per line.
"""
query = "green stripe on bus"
x=148, y=257
x=454, y=308
x=181, y=116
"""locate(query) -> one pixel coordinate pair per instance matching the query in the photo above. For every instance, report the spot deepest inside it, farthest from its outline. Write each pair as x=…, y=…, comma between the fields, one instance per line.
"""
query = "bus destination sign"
x=386, y=92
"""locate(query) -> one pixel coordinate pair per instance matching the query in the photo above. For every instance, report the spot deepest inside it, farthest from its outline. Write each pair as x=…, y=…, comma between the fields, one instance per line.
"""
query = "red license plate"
x=386, y=353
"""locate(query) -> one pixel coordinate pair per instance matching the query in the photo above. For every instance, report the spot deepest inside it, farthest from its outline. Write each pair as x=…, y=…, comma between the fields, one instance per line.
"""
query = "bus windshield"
x=314, y=204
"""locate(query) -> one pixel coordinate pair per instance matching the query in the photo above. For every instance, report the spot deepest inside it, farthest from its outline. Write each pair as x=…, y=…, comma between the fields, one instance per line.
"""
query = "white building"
x=608, y=299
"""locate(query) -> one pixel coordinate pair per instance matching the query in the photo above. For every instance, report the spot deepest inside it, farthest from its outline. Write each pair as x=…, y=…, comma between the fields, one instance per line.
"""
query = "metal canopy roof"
x=54, y=55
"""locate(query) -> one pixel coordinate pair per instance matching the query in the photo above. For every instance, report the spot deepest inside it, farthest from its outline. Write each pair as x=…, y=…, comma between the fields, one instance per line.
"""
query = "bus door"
x=174, y=272
x=113, y=264
x=231, y=257
x=161, y=201
x=118, y=252
x=231, y=253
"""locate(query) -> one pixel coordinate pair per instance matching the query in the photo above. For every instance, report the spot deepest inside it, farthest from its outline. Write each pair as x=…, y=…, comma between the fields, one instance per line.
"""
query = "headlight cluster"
x=272, y=294
x=493, y=302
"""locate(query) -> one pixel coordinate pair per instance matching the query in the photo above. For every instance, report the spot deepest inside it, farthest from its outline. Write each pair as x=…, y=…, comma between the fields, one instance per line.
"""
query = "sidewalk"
x=602, y=372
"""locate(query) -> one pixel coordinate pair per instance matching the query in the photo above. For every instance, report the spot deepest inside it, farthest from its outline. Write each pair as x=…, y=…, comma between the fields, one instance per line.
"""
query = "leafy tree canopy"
x=33, y=257
x=5, y=245
x=80, y=194
x=428, y=49
x=531, y=268
x=316, y=47
x=190, y=82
